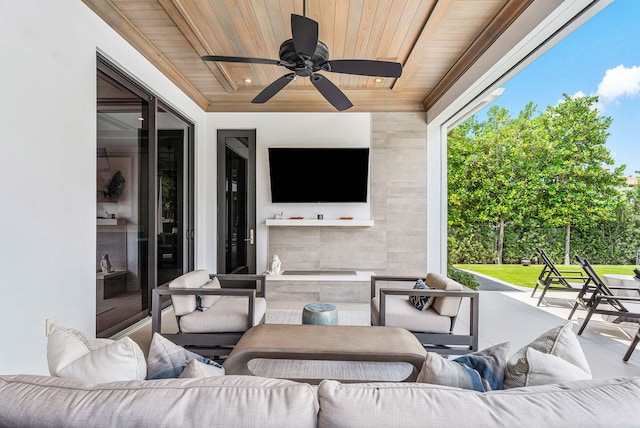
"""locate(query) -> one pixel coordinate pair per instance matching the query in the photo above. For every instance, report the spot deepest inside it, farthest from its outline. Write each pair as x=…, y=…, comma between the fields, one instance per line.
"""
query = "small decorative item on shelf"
x=346, y=218
x=296, y=218
x=105, y=264
x=320, y=216
x=276, y=265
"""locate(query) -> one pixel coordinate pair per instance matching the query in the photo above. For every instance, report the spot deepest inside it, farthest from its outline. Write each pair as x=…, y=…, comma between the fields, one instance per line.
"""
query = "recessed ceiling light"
x=378, y=80
x=247, y=80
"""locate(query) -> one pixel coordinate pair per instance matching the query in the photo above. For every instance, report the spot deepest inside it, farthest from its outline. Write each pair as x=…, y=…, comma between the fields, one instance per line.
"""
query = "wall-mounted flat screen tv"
x=318, y=174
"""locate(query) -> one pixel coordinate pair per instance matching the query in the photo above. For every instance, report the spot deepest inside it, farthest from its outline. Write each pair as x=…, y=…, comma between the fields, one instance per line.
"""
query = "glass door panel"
x=121, y=206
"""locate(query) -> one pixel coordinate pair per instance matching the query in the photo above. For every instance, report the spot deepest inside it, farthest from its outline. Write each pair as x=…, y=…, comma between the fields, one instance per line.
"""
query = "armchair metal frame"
x=552, y=278
x=213, y=344
x=442, y=343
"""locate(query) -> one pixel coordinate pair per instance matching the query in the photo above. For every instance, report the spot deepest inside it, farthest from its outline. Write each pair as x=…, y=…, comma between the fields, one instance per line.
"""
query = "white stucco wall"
x=47, y=168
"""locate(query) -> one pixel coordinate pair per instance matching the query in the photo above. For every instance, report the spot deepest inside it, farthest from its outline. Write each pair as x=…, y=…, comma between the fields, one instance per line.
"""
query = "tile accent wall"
x=397, y=243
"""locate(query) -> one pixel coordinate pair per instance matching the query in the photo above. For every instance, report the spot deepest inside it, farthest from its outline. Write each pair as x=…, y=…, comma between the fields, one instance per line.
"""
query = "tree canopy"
x=545, y=169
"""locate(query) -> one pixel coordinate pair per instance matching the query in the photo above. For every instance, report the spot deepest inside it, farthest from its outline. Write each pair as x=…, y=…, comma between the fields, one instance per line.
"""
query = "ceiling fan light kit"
x=304, y=55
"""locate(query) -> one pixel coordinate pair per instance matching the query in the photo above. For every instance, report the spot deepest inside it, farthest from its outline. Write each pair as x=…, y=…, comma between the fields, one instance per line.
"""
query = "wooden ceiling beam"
x=114, y=18
x=177, y=12
x=489, y=35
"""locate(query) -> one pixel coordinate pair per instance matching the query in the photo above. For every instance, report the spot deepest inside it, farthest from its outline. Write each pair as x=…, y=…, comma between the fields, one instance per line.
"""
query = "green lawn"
x=526, y=276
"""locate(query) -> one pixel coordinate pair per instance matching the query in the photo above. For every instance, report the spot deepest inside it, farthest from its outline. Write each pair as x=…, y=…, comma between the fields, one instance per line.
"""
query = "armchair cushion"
x=228, y=314
x=401, y=313
x=207, y=301
x=447, y=306
x=183, y=305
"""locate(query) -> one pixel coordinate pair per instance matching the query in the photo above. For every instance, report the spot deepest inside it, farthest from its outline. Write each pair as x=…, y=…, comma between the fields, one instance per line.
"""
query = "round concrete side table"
x=320, y=314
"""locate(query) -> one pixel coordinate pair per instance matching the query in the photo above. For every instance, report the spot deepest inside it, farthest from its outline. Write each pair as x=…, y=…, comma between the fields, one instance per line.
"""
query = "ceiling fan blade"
x=240, y=59
x=331, y=92
x=275, y=87
x=365, y=67
x=304, y=32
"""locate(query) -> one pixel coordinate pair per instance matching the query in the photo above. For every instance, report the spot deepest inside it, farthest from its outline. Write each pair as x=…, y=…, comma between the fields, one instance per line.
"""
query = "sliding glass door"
x=144, y=210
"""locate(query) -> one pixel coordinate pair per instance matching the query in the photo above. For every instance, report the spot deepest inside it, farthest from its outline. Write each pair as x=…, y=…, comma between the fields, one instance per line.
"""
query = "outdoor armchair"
x=434, y=325
x=211, y=312
x=552, y=278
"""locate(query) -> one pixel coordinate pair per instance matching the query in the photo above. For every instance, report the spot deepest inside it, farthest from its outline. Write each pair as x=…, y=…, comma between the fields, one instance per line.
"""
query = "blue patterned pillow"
x=421, y=302
x=481, y=371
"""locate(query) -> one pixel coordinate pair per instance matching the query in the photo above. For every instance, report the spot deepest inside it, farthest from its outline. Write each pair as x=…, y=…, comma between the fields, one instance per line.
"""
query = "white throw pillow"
x=560, y=342
x=120, y=360
x=74, y=355
x=546, y=369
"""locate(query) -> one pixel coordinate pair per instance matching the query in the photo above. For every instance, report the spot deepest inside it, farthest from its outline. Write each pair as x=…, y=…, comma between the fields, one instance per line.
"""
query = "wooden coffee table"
x=328, y=343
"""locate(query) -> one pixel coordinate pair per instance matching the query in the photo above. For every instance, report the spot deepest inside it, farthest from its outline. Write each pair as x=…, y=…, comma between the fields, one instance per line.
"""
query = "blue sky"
x=602, y=58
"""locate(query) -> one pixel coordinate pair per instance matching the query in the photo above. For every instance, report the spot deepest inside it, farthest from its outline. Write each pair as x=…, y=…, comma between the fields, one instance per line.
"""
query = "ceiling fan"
x=305, y=56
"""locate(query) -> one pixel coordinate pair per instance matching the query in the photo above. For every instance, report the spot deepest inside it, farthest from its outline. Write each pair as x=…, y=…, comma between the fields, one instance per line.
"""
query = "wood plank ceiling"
x=434, y=40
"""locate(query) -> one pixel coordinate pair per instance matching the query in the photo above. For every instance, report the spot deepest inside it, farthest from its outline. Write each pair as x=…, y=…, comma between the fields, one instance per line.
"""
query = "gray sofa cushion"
x=228, y=401
x=585, y=404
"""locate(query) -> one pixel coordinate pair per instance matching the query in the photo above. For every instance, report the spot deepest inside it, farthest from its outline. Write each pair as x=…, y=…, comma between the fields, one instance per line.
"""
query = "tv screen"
x=318, y=174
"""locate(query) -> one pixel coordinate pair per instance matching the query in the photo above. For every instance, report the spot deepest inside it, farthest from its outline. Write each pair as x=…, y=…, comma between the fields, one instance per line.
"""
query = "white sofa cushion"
x=226, y=401
x=183, y=305
x=73, y=355
x=584, y=404
x=401, y=313
x=228, y=314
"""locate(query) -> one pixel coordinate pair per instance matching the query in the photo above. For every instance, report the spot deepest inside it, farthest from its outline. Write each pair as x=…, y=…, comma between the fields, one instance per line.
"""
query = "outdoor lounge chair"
x=433, y=326
x=605, y=301
x=551, y=278
x=211, y=312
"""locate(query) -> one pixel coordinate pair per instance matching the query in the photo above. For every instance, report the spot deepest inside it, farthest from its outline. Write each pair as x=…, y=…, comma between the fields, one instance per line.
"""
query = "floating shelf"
x=313, y=222
x=107, y=221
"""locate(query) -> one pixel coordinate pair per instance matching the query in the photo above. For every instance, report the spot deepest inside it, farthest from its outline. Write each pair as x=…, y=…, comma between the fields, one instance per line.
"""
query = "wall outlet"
x=50, y=322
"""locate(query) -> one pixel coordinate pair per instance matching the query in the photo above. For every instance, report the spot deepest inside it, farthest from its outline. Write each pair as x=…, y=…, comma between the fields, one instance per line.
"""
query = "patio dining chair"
x=604, y=300
x=552, y=278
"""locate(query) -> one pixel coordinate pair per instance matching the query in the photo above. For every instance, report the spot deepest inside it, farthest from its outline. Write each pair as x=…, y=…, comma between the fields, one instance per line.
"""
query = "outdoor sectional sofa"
x=247, y=401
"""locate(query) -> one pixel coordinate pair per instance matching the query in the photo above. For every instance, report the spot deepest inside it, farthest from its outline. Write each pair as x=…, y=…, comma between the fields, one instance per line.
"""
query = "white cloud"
x=619, y=81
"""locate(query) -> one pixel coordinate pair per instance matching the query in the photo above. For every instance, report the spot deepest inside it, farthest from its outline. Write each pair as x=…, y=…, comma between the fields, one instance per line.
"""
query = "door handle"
x=250, y=239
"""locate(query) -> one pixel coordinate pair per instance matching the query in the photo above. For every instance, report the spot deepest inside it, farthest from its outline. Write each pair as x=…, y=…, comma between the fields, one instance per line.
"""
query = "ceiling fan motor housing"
x=304, y=67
